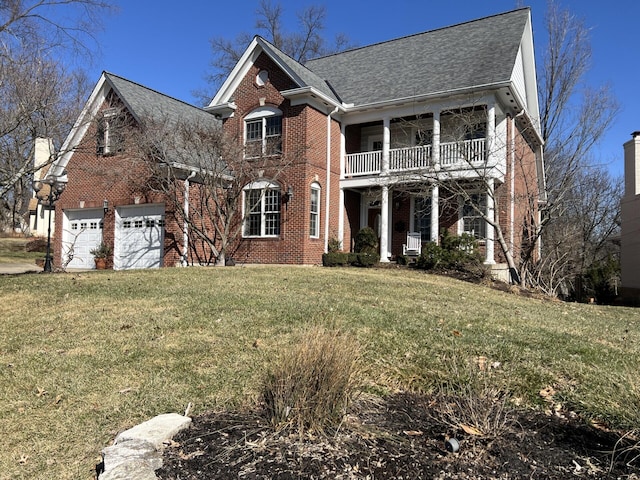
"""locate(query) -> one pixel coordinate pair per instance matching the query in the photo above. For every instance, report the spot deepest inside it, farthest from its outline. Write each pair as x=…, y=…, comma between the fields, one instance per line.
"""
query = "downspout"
x=185, y=227
x=327, y=195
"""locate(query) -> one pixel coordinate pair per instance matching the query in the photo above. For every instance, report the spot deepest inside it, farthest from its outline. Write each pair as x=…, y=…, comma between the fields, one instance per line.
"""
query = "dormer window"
x=263, y=132
x=109, y=136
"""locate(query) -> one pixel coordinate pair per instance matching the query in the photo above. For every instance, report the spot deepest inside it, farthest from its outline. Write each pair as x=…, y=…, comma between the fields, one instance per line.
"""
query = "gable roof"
x=142, y=102
x=472, y=54
x=491, y=52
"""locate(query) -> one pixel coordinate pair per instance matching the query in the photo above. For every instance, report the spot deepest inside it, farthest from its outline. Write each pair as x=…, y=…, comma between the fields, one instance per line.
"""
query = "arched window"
x=261, y=209
x=314, y=220
x=263, y=132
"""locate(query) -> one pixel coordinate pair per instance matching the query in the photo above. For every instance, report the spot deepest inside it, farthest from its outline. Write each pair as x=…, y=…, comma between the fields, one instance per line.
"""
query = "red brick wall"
x=304, y=131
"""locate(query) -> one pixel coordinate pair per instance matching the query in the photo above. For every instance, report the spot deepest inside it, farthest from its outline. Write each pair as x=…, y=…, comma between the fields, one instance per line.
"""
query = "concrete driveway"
x=18, y=268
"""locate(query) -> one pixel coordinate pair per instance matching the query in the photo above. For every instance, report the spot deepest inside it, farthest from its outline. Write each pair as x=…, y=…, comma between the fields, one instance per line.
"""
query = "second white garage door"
x=139, y=237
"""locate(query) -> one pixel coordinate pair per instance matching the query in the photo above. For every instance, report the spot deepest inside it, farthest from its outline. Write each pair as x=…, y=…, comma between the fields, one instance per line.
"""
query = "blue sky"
x=164, y=44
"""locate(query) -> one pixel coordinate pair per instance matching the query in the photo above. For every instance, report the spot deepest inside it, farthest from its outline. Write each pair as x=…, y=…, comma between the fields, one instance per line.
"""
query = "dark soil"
x=399, y=438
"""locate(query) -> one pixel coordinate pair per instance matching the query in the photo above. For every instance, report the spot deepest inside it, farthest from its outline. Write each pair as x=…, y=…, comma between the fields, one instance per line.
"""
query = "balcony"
x=453, y=155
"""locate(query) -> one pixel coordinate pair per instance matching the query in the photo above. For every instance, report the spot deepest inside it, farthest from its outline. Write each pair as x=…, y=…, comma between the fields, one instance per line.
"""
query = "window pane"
x=273, y=135
x=253, y=213
x=254, y=130
x=314, y=221
x=274, y=126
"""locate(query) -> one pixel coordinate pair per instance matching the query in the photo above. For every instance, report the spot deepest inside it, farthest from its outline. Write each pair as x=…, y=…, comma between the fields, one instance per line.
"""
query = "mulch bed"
x=399, y=438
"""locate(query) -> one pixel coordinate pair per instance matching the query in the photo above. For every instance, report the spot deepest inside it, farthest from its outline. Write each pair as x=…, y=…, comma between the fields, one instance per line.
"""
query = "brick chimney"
x=42, y=157
x=632, y=166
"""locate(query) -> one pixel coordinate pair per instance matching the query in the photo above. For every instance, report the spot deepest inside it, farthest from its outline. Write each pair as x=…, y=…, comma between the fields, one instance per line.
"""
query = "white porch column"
x=489, y=243
x=435, y=213
x=384, y=224
x=341, y=195
x=386, y=142
x=435, y=141
x=490, y=142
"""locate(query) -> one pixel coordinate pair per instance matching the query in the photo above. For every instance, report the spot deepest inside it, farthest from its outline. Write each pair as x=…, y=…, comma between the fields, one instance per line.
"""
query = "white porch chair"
x=413, y=247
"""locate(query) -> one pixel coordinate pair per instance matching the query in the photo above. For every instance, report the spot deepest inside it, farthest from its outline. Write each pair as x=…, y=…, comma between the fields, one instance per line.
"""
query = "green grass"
x=83, y=356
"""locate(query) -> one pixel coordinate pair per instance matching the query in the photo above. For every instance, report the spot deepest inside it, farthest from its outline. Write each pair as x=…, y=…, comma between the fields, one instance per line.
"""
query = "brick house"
x=431, y=132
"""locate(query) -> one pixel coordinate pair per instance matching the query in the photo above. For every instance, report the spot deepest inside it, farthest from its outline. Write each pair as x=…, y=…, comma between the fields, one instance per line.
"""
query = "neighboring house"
x=394, y=136
x=38, y=211
x=630, y=235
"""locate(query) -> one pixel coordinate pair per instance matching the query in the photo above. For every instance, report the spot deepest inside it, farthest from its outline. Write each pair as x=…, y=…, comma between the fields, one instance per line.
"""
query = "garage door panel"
x=139, y=237
x=82, y=232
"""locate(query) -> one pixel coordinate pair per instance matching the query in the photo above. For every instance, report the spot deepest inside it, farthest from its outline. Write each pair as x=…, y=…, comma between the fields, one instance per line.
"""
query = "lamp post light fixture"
x=48, y=197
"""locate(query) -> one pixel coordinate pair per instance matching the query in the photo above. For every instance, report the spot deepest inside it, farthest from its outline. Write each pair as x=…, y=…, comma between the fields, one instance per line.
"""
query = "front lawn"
x=84, y=356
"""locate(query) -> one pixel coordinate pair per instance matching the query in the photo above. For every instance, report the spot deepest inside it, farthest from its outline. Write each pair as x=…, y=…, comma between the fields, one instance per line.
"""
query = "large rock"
x=156, y=431
x=136, y=453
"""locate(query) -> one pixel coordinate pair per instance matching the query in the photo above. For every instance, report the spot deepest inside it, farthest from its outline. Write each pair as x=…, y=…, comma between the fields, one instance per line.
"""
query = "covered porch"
x=398, y=212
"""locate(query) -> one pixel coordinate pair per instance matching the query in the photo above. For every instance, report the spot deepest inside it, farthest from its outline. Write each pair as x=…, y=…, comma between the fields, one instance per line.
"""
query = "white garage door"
x=139, y=237
x=81, y=233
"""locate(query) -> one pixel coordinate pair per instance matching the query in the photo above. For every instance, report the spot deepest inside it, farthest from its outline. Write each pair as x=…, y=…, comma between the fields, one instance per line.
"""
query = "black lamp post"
x=48, y=198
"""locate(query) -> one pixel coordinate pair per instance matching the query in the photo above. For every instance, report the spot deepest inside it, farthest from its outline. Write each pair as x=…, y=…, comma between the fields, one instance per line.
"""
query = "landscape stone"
x=156, y=431
x=136, y=453
x=131, y=470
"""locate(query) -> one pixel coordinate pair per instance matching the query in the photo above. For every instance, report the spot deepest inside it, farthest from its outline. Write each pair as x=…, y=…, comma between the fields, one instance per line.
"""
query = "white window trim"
x=262, y=114
x=315, y=187
x=262, y=185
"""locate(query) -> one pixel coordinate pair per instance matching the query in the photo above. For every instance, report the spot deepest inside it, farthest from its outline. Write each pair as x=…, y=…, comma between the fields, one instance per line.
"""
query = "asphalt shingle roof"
x=144, y=102
x=475, y=53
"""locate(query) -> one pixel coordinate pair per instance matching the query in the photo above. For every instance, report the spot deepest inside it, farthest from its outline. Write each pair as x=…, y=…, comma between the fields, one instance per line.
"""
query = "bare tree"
x=50, y=24
x=203, y=173
x=575, y=221
x=574, y=117
x=303, y=44
x=39, y=99
x=38, y=96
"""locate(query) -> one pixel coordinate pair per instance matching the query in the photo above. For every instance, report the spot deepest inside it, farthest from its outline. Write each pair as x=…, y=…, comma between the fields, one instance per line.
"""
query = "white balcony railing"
x=452, y=155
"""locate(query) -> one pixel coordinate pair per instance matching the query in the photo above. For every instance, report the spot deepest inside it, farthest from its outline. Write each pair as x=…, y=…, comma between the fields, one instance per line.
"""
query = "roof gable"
x=464, y=56
x=141, y=102
x=298, y=73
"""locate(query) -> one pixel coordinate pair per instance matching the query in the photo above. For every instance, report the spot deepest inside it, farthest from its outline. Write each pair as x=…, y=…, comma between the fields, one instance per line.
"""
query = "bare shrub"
x=310, y=387
x=469, y=400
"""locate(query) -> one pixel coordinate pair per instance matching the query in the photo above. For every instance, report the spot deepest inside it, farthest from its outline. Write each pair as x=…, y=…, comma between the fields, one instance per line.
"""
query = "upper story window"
x=314, y=220
x=263, y=132
x=473, y=222
x=261, y=209
x=110, y=135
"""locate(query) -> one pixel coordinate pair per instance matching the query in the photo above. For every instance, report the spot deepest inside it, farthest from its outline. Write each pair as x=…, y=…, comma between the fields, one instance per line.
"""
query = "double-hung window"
x=262, y=210
x=473, y=222
x=314, y=220
x=263, y=132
